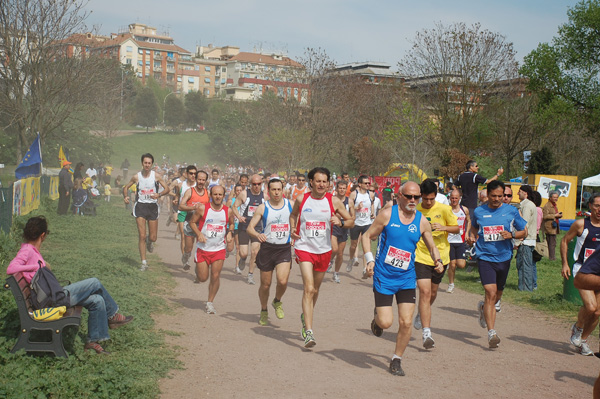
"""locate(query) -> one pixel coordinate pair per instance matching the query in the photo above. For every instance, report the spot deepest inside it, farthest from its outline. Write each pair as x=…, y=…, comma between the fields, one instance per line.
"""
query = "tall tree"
x=196, y=108
x=174, y=111
x=145, y=108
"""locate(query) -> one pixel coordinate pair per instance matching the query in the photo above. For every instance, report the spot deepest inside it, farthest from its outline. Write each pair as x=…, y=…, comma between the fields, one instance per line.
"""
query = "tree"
x=174, y=111
x=453, y=163
x=145, y=108
x=542, y=162
x=41, y=85
x=453, y=68
x=196, y=108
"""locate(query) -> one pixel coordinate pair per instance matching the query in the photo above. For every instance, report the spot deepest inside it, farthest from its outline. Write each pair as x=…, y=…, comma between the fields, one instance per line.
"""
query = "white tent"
x=593, y=181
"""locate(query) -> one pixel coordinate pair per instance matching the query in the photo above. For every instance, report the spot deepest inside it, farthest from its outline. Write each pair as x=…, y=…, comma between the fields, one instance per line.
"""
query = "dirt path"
x=228, y=355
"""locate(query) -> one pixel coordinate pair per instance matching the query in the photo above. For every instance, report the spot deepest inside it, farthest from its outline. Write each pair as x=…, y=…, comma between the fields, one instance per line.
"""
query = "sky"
x=347, y=30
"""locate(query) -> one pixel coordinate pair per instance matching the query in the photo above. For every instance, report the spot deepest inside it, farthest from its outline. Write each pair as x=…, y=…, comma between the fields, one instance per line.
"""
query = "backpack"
x=46, y=291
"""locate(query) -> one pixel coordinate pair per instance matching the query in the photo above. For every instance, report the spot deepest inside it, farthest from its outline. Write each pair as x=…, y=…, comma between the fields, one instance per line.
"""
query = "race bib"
x=493, y=233
x=145, y=194
x=398, y=258
x=280, y=230
x=363, y=213
x=215, y=231
x=588, y=252
x=315, y=229
x=251, y=210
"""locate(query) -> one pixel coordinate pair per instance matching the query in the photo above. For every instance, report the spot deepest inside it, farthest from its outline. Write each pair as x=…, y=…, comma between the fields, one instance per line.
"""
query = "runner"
x=247, y=202
x=457, y=241
x=310, y=222
x=362, y=200
x=190, y=202
x=209, y=224
x=491, y=231
x=298, y=189
x=275, y=248
x=401, y=227
x=236, y=191
x=145, y=208
x=339, y=235
x=215, y=180
x=587, y=232
x=190, y=174
x=442, y=222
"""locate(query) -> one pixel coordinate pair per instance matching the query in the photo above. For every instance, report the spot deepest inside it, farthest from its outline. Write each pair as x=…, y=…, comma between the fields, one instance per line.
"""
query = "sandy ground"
x=228, y=355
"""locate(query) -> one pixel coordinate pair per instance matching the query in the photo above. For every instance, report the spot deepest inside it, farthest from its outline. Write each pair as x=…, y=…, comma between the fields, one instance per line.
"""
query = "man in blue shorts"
x=492, y=230
x=401, y=227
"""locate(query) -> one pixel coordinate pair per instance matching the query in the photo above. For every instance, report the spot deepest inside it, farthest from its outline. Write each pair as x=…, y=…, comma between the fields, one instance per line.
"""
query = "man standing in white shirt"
x=527, y=245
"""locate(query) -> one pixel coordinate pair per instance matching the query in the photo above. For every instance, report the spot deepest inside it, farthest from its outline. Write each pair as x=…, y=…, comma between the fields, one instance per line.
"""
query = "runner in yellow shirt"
x=443, y=221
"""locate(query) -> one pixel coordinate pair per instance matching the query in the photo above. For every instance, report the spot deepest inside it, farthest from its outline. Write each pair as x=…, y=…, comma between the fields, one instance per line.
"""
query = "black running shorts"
x=146, y=211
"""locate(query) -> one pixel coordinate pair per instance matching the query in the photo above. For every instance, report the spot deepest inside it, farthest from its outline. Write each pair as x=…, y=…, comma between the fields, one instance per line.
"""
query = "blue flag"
x=31, y=165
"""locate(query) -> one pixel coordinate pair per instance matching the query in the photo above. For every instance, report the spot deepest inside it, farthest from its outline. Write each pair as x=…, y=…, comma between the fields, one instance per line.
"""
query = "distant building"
x=370, y=71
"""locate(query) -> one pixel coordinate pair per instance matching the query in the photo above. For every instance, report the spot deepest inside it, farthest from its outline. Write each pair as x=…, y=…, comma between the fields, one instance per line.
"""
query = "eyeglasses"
x=409, y=197
x=366, y=182
x=192, y=173
x=256, y=184
x=508, y=195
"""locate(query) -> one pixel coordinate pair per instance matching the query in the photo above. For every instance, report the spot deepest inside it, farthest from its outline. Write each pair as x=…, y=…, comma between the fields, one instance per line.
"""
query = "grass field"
x=187, y=147
x=80, y=247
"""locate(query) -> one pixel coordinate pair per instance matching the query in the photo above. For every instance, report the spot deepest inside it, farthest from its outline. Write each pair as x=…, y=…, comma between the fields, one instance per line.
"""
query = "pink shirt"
x=26, y=262
x=540, y=216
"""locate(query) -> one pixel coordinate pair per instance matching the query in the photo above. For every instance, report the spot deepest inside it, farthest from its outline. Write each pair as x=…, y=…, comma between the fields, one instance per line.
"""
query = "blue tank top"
x=395, y=260
x=586, y=243
x=249, y=206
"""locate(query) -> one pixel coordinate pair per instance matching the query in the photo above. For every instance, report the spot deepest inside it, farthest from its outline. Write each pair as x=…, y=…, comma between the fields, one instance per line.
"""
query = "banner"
x=26, y=195
x=548, y=184
x=396, y=182
x=31, y=165
x=53, y=192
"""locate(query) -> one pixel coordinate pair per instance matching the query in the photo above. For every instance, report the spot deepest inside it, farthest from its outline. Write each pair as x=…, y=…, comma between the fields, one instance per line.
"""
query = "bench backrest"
x=21, y=291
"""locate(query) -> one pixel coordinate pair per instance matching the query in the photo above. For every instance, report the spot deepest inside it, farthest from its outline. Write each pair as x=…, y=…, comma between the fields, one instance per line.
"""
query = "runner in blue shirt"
x=494, y=226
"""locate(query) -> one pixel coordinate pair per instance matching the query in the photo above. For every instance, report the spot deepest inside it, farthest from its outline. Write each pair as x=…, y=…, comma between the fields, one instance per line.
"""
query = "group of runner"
x=419, y=238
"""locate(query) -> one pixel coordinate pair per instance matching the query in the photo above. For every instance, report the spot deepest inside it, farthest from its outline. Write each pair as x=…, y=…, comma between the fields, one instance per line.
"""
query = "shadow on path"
x=553, y=346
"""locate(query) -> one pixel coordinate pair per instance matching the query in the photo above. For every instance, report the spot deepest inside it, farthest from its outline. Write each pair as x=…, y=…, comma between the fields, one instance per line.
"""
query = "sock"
x=276, y=300
x=264, y=310
x=309, y=331
x=396, y=357
x=144, y=262
x=426, y=331
x=250, y=274
x=491, y=332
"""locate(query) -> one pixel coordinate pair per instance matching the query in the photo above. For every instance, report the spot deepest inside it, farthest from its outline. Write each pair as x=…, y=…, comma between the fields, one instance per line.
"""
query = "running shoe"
x=576, y=335
x=352, y=263
x=418, y=325
x=493, y=339
x=450, y=288
x=428, y=341
x=396, y=367
x=336, y=278
x=241, y=264
x=330, y=268
x=278, y=309
x=482, y=322
x=498, y=306
x=149, y=245
x=364, y=274
x=144, y=266
x=375, y=329
x=210, y=309
x=584, y=348
x=237, y=270
x=264, y=318
x=303, y=331
x=185, y=258
x=309, y=340
x=250, y=279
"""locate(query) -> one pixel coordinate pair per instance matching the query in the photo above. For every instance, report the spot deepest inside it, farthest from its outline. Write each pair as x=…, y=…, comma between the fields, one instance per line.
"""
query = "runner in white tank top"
x=310, y=222
x=457, y=241
x=209, y=223
x=362, y=201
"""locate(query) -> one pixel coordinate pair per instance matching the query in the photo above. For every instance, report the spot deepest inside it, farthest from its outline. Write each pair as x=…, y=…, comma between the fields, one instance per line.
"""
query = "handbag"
x=49, y=314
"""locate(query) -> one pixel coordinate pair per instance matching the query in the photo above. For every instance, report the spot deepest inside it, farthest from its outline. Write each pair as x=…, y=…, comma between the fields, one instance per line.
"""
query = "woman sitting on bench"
x=90, y=293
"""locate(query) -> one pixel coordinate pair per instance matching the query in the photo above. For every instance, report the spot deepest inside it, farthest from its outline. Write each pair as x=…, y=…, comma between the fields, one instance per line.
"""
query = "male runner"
x=215, y=180
x=190, y=174
x=146, y=205
x=189, y=203
x=310, y=223
x=401, y=227
x=209, y=223
x=362, y=200
x=298, y=189
x=494, y=226
x=442, y=222
x=587, y=232
x=248, y=201
x=275, y=248
x=457, y=241
x=339, y=235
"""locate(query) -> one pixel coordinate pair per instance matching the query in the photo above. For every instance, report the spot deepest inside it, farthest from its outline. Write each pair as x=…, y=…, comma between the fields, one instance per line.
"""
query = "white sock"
x=426, y=331
x=396, y=357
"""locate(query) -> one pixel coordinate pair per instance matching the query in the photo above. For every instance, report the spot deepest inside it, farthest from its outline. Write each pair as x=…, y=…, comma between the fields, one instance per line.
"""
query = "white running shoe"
x=482, y=322
x=498, y=306
x=584, y=348
x=250, y=279
x=450, y=288
x=576, y=335
x=237, y=270
x=418, y=325
x=493, y=339
x=144, y=266
x=350, y=264
x=364, y=274
x=336, y=278
x=428, y=341
x=210, y=309
x=330, y=268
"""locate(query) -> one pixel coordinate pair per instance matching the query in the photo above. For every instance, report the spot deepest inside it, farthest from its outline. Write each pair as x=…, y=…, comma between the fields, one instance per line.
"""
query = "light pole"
x=165, y=104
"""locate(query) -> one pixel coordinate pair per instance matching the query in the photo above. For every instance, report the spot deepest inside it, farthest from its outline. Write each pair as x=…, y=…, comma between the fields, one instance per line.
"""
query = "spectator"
x=90, y=293
x=91, y=171
x=125, y=167
x=483, y=197
x=537, y=201
x=468, y=182
x=551, y=220
x=525, y=248
x=65, y=187
x=78, y=172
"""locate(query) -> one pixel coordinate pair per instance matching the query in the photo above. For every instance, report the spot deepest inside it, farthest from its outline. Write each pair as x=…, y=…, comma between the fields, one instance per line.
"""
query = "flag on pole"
x=62, y=157
x=31, y=165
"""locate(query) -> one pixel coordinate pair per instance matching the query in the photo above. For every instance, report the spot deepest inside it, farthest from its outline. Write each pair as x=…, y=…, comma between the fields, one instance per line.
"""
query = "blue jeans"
x=92, y=295
x=525, y=267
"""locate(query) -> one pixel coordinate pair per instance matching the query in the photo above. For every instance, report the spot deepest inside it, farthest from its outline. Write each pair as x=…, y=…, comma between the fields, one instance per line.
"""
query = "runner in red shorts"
x=209, y=223
x=310, y=222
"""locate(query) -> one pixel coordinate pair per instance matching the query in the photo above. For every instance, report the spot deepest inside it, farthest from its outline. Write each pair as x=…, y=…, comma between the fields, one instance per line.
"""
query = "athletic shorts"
x=340, y=233
x=244, y=238
x=209, y=257
x=320, y=262
x=146, y=211
x=356, y=231
x=181, y=216
x=426, y=272
x=187, y=230
x=493, y=273
x=270, y=255
x=457, y=250
x=402, y=296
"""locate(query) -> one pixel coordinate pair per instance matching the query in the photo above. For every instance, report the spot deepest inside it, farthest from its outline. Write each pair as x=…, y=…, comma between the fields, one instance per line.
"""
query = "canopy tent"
x=593, y=181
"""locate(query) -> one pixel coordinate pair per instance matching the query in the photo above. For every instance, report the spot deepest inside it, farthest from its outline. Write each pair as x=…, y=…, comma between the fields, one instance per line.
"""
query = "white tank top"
x=146, y=186
x=461, y=218
x=363, y=215
x=276, y=223
x=314, y=224
x=214, y=227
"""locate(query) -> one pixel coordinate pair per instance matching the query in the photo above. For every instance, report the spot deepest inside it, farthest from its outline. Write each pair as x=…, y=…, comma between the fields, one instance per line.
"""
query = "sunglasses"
x=192, y=173
x=409, y=197
x=256, y=184
x=508, y=195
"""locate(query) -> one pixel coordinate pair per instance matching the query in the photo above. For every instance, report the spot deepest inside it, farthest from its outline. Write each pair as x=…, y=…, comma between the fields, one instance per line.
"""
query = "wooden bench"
x=22, y=293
